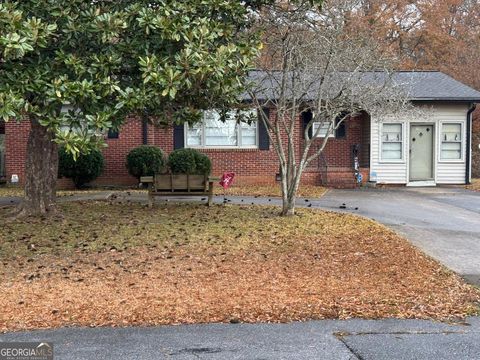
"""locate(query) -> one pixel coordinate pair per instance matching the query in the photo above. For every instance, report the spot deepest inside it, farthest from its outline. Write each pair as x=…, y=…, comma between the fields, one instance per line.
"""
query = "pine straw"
x=309, y=191
x=475, y=185
x=122, y=264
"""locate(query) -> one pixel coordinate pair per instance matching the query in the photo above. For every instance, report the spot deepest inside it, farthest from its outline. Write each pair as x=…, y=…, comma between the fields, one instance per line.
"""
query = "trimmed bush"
x=189, y=161
x=203, y=164
x=145, y=160
x=87, y=167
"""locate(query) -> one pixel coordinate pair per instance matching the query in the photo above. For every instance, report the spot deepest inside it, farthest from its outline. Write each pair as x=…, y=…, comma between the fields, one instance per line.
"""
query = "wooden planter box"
x=181, y=182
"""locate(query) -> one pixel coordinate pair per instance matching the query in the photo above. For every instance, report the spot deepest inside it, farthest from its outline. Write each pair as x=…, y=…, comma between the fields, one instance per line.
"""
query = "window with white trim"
x=212, y=132
x=324, y=129
x=451, y=141
x=392, y=141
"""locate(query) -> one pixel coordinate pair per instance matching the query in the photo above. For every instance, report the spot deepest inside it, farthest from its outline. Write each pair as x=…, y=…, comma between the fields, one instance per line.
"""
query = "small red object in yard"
x=227, y=179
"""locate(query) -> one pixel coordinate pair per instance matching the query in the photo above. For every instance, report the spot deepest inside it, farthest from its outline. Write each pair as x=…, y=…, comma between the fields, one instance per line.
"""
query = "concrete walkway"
x=327, y=339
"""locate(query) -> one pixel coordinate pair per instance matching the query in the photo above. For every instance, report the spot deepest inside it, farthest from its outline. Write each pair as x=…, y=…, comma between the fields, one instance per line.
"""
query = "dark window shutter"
x=112, y=134
x=178, y=136
x=263, y=139
x=306, y=118
x=342, y=129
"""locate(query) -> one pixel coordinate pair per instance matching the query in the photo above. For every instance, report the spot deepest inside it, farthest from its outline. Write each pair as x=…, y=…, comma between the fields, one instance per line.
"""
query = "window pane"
x=451, y=147
x=391, y=150
x=452, y=132
x=451, y=150
x=194, y=135
x=391, y=146
x=249, y=134
x=325, y=126
x=218, y=133
x=392, y=141
x=392, y=132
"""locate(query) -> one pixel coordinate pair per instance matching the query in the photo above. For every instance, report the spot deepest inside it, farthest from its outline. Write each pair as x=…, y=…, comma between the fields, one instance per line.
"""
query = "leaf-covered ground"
x=15, y=191
x=475, y=185
x=270, y=191
x=124, y=264
x=236, y=190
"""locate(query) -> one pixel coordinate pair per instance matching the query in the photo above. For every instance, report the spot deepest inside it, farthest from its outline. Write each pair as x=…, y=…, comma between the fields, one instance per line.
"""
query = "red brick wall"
x=252, y=166
x=16, y=137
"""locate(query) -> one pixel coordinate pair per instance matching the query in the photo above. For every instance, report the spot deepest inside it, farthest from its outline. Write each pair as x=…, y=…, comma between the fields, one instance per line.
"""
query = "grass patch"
x=271, y=191
x=107, y=264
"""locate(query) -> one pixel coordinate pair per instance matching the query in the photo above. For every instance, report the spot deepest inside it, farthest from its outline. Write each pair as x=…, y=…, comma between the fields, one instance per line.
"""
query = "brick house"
x=406, y=151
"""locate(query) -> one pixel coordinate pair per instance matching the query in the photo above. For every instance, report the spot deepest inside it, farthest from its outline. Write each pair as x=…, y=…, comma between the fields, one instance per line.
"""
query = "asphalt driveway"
x=327, y=339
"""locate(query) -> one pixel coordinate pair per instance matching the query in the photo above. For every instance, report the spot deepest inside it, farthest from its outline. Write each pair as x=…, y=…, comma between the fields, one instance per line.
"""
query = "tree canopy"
x=76, y=68
x=79, y=67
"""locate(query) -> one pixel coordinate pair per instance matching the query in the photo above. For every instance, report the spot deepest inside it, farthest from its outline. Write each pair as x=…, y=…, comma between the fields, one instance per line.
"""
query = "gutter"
x=468, y=156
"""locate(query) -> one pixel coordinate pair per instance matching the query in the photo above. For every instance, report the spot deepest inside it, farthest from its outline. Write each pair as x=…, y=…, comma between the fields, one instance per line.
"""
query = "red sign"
x=227, y=179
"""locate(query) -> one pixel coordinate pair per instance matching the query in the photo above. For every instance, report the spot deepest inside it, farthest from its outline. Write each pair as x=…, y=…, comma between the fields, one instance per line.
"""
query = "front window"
x=324, y=129
x=451, y=141
x=212, y=132
x=392, y=142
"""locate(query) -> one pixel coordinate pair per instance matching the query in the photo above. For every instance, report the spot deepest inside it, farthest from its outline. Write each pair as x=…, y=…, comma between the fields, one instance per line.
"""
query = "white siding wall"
x=452, y=172
x=397, y=172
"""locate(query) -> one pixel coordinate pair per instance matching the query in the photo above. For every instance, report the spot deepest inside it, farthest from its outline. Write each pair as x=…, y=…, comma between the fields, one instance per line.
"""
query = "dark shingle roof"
x=435, y=85
x=418, y=85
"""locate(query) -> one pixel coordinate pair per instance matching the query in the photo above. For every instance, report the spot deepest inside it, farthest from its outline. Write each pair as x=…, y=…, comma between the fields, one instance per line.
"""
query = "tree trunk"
x=288, y=198
x=41, y=169
x=288, y=208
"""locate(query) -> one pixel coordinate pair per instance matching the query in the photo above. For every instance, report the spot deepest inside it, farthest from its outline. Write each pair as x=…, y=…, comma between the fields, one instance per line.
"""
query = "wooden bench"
x=179, y=185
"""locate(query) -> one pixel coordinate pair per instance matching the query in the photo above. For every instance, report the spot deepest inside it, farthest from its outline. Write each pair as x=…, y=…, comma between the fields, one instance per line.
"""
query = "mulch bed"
x=105, y=264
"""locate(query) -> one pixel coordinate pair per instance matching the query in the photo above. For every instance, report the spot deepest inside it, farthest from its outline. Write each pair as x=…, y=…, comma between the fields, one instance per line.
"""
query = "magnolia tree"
x=312, y=64
x=75, y=68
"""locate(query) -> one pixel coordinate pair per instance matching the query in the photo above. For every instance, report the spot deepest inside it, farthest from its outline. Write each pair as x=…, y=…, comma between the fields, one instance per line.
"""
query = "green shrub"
x=145, y=160
x=86, y=168
x=203, y=164
x=189, y=161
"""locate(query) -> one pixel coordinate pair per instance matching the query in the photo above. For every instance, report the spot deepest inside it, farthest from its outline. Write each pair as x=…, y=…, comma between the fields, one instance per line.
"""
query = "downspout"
x=145, y=129
x=468, y=155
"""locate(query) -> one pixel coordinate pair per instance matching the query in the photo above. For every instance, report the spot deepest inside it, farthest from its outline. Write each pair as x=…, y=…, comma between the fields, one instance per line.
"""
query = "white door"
x=421, y=152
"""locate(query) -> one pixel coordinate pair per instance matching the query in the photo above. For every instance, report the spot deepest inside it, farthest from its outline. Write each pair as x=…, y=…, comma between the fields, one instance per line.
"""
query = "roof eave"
x=451, y=99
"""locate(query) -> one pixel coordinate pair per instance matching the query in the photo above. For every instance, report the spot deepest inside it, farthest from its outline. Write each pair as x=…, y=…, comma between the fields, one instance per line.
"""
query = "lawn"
x=110, y=264
x=236, y=190
x=15, y=191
